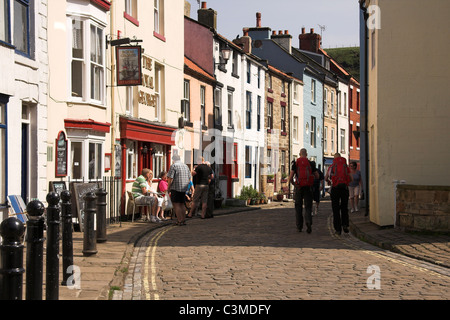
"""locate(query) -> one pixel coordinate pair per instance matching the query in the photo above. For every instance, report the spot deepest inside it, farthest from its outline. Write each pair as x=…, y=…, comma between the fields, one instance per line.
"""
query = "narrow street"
x=260, y=255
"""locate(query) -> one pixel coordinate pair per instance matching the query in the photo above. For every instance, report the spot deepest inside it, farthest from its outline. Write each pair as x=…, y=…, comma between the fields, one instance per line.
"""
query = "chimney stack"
x=207, y=17
x=283, y=39
x=244, y=42
x=258, y=19
x=310, y=41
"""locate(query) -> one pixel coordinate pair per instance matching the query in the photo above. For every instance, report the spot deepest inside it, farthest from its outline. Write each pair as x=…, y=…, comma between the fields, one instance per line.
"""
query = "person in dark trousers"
x=303, y=190
x=204, y=175
x=317, y=189
x=340, y=176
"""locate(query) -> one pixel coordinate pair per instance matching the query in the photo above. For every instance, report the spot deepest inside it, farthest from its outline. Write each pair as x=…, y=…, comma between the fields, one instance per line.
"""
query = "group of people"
x=346, y=183
x=177, y=184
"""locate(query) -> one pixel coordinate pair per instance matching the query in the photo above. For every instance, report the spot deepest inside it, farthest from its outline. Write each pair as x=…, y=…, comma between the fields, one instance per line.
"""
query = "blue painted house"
x=277, y=49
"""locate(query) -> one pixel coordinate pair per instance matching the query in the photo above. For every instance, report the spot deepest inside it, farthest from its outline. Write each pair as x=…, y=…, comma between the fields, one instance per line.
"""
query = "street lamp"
x=226, y=53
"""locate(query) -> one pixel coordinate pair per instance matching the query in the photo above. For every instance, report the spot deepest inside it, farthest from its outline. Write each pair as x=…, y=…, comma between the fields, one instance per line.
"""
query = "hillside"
x=348, y=58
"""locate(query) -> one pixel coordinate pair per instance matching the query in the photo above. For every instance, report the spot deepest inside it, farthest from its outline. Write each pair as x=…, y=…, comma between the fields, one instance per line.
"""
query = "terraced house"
x=23, y=100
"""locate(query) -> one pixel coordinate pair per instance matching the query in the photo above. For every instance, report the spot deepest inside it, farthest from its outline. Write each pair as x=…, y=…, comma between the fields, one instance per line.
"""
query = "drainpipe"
x=364, y=109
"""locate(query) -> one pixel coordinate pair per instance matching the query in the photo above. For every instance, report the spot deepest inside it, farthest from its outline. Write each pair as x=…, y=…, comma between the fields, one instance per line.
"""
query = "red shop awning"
x=145, y=131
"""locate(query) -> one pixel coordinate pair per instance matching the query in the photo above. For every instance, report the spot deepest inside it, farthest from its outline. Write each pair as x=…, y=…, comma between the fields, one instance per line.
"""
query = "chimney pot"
x=280, y=32
x=204, y=6
x=245, y=30
x=274, y=33
x=303, y=30
x=258, y=19
x=312, y=30
x=286, y=31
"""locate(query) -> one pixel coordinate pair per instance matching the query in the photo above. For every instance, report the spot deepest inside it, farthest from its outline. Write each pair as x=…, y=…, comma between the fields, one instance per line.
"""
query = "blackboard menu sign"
x=57, y=186
x=78, y=191
x=61, y=155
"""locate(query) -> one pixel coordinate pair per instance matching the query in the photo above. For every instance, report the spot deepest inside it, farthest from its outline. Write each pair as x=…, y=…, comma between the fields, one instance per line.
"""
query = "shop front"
x=144, y=144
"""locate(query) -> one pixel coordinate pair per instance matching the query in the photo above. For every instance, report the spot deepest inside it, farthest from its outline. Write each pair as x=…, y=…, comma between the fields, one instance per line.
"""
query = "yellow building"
x=408, y=113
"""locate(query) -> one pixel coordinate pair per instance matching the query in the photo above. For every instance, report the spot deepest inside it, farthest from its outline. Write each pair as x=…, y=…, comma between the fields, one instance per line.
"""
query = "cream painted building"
x=408, y=74
x=115, y=120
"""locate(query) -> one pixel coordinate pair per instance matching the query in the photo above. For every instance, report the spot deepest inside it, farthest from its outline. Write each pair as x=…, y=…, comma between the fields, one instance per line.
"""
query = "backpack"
x=304, y=173
x=339, y=172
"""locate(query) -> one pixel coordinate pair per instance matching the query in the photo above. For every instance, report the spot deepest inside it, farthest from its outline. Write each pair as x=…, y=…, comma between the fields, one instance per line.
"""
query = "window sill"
x=159, y=36
x=131, y=19
x=284, y=133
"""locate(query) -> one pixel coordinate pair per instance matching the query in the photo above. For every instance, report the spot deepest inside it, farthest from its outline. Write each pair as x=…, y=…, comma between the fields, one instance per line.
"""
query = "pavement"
x=106, y=272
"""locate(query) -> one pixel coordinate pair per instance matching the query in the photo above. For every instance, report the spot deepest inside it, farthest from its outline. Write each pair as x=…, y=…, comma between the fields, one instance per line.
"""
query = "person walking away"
x=204, y=174
x=355, y=187
x=142, y=194
x=340, y=178
x=178, y=181
x=304, y=179
x=317, y=189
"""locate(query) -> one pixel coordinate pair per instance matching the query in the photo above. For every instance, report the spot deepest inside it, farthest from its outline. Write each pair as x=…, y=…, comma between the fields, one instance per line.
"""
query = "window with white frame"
x=217, y=106
x=159, y=17
x=313, y=90
x=202, y=106
x=4, y=21
x=158, y=159
x=248, y=110
x=248, y=161
x=258, y=115
x=343, y=140
x=313, y=132
x=345, y=103
x=332, y=139
x=230, y=108
x=295, y=129
x=132, y=160
x=159, y=91
x=269, y=115
x=325, y=102
x=249, y=74
x=86, y=158
x=332, y=104
x=325, y=139
x=131, y=8
x=88, y=61
x=187, y=108
x=296, y=92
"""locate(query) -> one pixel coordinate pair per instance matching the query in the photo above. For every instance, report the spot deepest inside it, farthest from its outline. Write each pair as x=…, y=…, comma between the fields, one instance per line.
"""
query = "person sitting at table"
x=143, y=195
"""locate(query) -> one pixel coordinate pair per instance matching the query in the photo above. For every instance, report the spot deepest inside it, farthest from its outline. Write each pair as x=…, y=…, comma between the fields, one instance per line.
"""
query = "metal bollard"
x=35, y=250
x=11, y=256
x=89, y=239
x=52, y=266
x=67, y=237
x=101, y=215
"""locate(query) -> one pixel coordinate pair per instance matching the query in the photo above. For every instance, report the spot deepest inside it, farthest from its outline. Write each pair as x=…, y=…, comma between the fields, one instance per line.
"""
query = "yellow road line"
x=406, y=264
x=150, y=255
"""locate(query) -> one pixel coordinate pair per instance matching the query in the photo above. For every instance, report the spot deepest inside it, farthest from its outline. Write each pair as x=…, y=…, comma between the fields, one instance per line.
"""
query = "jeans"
x=339, y=204
x=303, y=194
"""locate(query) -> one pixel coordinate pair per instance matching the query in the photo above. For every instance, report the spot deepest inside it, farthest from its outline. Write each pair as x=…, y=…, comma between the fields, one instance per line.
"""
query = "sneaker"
x=345, y=229
x=351, y=211
x=153, y=219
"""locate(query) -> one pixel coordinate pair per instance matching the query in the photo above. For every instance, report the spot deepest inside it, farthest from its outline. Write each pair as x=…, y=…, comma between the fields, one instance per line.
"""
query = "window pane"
x=4, y=21
x=21, y=26
x=92, y=161
x=76, y=153
x=99, y=160
x=77, y=79
x=77, y=39
x=96, y=82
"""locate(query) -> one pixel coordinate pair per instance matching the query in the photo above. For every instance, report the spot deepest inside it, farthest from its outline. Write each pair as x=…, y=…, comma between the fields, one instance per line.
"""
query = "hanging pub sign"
x=129, y=67
x=61, y=155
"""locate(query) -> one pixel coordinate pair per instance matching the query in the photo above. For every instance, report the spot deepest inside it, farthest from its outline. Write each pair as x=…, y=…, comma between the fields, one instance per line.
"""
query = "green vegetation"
x=348, y=58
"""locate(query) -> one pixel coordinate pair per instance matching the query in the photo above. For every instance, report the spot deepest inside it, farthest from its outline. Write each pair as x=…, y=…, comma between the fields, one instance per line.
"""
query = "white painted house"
x=23, y=100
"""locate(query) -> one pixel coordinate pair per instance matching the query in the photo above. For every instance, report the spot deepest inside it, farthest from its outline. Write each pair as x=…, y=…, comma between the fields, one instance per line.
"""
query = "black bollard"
x=89, y=239
x=101, y=215
x=67, y=237
x=52, y=266
x=35, y=250
x=11, y=256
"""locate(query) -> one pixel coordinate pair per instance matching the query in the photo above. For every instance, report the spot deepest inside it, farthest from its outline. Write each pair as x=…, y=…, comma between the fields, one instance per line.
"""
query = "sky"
x=340, y=18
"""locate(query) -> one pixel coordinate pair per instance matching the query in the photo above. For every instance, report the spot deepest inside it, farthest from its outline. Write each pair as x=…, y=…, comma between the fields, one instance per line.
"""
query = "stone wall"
x=423, y=208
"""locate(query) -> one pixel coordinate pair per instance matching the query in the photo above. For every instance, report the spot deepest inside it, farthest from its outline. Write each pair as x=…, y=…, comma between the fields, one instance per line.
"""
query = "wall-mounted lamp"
x=226, y=53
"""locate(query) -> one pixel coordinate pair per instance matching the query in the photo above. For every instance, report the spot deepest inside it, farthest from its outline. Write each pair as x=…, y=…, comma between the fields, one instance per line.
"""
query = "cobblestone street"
x=261, y=255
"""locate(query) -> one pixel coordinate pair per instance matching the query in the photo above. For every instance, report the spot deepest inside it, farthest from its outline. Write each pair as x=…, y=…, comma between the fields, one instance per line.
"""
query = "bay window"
x=88, y=61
